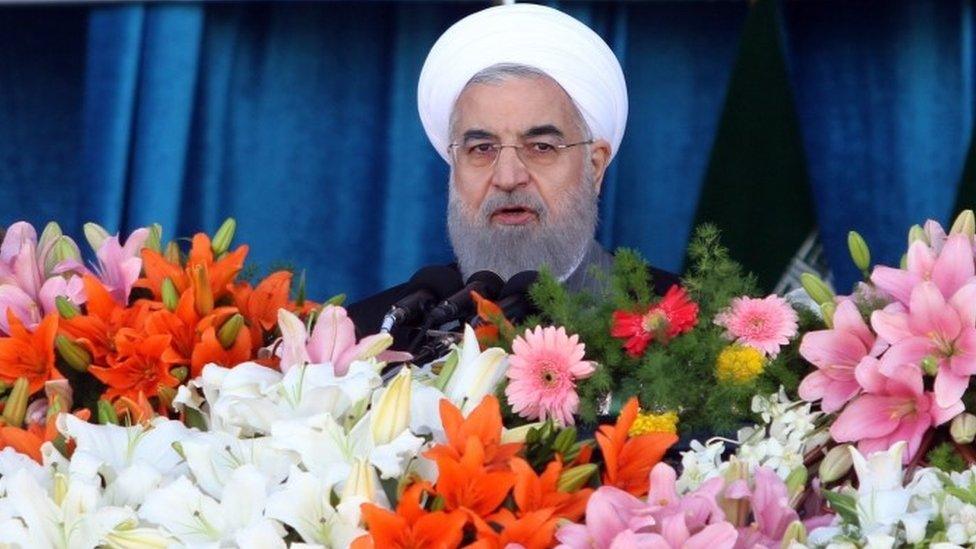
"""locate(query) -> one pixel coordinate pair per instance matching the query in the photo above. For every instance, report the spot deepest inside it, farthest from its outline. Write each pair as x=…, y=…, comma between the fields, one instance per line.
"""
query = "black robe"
x=368, y=313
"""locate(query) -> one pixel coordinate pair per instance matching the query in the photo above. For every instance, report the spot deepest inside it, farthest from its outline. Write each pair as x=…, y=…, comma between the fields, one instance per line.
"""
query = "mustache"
x=520, y=198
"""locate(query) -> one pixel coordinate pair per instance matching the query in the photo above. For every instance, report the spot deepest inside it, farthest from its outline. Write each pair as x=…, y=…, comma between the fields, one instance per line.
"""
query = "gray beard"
x=507, y=250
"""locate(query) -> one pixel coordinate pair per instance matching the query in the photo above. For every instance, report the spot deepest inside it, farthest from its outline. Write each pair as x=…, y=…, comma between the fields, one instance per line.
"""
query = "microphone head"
x=486, y=283
x=440, y=280
x=519, y=284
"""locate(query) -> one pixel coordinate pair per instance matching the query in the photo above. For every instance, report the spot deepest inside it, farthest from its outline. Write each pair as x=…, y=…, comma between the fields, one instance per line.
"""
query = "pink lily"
x=332, y=341
x=119, y=266
x=935, y=331
x=835, y=353
x=894, y=407
x=609, y=512
x=771, y=511
x=950, y=269
x=26, y=288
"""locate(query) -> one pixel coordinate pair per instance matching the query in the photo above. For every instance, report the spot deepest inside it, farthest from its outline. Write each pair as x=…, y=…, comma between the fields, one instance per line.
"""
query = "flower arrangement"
x=698, y=353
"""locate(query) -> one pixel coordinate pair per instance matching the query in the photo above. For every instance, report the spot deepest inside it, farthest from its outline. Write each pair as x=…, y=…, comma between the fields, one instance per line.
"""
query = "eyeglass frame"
x=516, y=146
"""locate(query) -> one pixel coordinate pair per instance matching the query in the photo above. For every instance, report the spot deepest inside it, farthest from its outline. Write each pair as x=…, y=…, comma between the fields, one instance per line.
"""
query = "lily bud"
x=172, y=253
x=795, y=533
x=965, y=224
x=518, y=434
x=564, y=440
x=74, y=355
x=180, y=373
x=391, y=415
x=15, y=409
x=836, y=464
x=447, y=370
x=155, y=239
x=859, y=251
x=106, y=413
x=52, y=231
x=796, y=482
x=963, y=428
x=202, y=292
x=63, y=249
x=817, y=289
x=360, y=482
x=171, y=297
x=736, y=510
x=223, y=237
x=227, y=334
x=571, y=480
x=95, y=234
x=917, y=234
x=827, y=311
x=66, y=308
x=903, y=263
x=336, y=300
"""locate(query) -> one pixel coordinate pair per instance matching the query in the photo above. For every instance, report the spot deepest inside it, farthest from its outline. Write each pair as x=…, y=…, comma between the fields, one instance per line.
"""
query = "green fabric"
x=756, y=188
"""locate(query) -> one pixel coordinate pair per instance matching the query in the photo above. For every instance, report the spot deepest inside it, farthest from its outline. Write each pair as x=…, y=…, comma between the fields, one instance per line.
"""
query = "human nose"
x=509, y=172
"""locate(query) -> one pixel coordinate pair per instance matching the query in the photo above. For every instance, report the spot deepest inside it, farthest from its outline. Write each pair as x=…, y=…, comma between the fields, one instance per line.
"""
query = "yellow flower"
x=654, y=423
x=739, y=364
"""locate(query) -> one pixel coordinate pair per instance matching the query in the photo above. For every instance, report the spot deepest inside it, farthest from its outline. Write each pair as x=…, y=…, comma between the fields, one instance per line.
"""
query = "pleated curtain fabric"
x=299, y=119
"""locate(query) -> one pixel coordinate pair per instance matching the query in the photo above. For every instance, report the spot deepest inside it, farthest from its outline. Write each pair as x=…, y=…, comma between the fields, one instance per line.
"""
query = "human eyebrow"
x=545, y=130
x=473, y=134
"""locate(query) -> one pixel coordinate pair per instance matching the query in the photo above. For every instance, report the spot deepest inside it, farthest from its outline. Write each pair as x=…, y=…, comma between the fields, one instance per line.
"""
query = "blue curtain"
x=299, y=119
x=885, y=98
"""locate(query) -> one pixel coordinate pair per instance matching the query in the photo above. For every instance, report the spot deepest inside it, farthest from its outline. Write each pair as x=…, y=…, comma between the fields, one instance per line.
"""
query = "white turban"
x=526, y=34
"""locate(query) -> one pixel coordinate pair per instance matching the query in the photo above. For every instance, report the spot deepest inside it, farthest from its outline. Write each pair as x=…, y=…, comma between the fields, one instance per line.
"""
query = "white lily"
x=477, y=373
x=71, y=518
x=213, y=457
x=882, y=501
x=12, y=461
x=193, y=517
x=305, y=504
x=251, y=397
x=132, y=460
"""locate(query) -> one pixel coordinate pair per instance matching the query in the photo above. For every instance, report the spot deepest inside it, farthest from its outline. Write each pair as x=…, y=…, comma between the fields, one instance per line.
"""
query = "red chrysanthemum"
x=673, y=315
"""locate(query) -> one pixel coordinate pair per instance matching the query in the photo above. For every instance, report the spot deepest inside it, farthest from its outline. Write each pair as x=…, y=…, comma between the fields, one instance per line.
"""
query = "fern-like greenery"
x=679, y=375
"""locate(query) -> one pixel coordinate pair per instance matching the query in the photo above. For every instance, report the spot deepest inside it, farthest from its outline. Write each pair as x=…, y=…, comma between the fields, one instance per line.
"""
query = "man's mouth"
x=514, y=215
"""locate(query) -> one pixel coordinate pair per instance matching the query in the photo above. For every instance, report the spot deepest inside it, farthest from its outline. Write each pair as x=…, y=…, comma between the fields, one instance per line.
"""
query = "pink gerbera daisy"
x=765, y=324
x=542, y=373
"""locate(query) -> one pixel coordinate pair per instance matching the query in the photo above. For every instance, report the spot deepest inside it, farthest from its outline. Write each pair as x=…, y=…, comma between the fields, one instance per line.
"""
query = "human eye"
x=480, y=149
x=541, y=148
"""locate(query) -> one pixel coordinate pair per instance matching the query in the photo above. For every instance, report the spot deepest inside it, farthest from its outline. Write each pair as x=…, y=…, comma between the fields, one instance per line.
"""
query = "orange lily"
x=139, y=365
x=533, y=530
x=138, y=411
x=260, y=305
x=495, y=330
x=467, y=484
x=29, y=355
x=209, y=350
x=483, y=423
x=220, y=272
x=28, y=441
x=411, y=526
x=96, y=330
x=629, y=460
x=537, y=492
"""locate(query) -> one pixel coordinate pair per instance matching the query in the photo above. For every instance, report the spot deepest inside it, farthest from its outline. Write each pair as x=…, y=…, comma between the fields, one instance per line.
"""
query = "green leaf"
x=844, y=505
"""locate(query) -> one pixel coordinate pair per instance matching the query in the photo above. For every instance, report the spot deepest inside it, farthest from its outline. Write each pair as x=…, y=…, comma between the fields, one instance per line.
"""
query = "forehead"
x=514, y=105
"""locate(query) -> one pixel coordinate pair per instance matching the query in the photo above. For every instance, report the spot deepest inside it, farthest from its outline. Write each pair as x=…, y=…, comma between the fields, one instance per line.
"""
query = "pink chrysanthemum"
x=542, y=373
x=764, y=324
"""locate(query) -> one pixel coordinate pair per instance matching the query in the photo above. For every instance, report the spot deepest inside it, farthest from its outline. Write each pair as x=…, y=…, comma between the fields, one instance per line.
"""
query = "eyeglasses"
x=534, y=153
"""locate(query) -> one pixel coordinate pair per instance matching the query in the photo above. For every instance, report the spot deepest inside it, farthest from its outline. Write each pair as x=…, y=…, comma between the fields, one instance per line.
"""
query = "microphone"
x=437, y=345
x=428, y=285
x=460, y=305
x=514, y=300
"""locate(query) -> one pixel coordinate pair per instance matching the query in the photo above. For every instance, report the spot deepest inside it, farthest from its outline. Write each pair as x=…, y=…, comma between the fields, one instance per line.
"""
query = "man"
x=528, y=107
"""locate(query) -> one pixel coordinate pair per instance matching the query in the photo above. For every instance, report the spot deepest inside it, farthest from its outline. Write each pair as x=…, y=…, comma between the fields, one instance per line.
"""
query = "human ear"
x=599, y=160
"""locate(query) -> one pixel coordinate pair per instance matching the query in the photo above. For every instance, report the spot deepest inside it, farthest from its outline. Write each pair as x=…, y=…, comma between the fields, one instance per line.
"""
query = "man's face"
x=519, y=212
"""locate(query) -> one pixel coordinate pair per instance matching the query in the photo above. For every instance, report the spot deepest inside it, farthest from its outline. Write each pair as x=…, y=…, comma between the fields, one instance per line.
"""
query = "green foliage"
x=945, y=457
x=678, y=375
